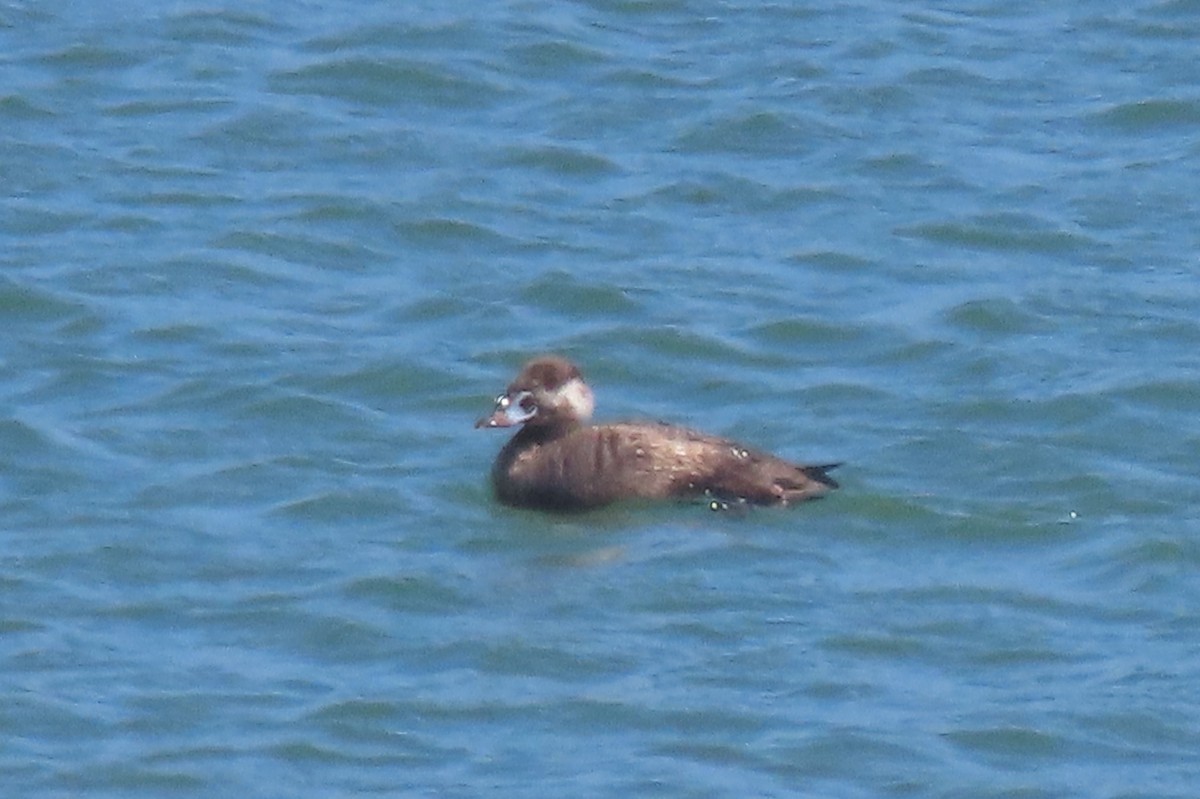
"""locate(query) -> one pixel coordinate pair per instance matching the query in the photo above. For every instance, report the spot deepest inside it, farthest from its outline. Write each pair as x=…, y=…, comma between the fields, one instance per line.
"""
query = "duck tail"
x=820, y=473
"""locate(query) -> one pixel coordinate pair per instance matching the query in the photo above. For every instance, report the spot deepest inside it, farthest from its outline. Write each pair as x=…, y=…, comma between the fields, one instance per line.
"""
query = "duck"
x=559, y=461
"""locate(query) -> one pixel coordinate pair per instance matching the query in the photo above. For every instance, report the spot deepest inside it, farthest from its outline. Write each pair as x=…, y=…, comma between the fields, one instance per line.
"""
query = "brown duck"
x=557, y=461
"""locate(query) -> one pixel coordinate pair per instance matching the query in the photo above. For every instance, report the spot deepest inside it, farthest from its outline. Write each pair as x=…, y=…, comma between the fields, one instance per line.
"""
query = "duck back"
x=579, y=467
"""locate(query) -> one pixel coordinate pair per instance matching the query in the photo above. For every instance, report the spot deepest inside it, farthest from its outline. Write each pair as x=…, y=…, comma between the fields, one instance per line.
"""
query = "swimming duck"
x=558, y=461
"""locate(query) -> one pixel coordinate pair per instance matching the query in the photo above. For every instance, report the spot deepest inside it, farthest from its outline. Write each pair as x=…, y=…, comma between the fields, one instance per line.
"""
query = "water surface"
x=263, y=265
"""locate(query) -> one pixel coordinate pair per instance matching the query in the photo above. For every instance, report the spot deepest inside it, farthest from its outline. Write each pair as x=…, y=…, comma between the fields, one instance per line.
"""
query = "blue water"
x=263, y=264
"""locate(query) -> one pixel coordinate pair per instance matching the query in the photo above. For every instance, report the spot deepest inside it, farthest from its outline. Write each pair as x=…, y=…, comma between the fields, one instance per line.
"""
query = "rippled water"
x=263, y=265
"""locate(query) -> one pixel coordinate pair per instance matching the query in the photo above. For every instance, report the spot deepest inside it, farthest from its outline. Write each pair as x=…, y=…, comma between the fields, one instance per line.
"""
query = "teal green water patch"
x=559, y=291
x=560, y=160
x=234, y=28
x=1012, y=746
x=422, y=593
x=678, y=341
x=723, y=192
x=317, y=251
x=388, y=83
x=1180, y=395
x=997, y=316
x=92, y=57
x=31, y=219
x=1148, y=116
x=345, y=507
x=556, y=58
x=25, y=303
x=800, y=332
x=15, y=108
x=762, y=134
x=444, y=233
x=1001, y=232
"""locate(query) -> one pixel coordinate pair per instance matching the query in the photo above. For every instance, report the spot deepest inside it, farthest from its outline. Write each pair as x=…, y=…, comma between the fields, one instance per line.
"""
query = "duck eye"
x=516, y=408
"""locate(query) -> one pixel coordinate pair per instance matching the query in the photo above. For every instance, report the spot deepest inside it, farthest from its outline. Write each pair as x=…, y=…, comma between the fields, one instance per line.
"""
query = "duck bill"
x=498, y=419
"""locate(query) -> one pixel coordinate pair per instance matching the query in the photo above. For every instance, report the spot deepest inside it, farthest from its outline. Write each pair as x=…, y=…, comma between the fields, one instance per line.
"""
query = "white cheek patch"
x=578, y=397
x=513, y=410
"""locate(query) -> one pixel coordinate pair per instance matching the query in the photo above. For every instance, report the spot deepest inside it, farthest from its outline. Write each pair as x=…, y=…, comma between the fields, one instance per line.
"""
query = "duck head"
x=548, y=391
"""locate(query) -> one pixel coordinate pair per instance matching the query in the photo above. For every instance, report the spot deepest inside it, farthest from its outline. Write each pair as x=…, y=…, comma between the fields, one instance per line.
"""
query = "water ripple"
x=262, y=272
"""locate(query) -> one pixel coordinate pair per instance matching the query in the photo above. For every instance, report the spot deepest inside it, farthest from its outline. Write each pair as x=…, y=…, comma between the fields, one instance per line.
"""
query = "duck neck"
x=542, y=433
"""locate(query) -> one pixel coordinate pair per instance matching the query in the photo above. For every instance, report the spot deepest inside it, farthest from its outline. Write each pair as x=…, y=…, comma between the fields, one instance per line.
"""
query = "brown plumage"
x=556, y=461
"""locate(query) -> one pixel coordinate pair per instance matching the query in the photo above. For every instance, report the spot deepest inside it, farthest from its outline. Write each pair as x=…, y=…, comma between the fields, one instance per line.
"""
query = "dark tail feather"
x=818, y=473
